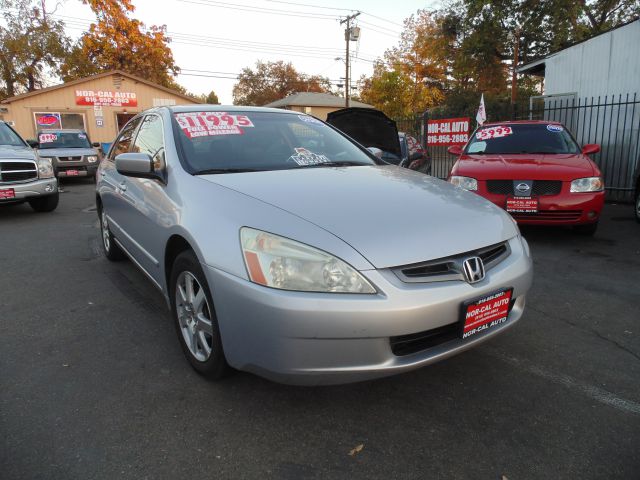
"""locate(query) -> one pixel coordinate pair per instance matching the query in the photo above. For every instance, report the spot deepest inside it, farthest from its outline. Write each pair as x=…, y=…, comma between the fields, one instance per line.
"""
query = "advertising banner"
x=448, y=131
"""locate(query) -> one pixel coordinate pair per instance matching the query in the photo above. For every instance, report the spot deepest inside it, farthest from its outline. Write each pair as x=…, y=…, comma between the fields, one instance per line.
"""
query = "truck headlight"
x=467, y=183
x=92, y=158
x=45, y=167
x=285, y=264
x=589, y=184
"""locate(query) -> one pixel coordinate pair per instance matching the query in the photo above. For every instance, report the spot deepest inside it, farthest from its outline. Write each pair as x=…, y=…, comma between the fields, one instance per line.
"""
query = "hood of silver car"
x=10, y=152
x=392, y=216
x=66, y=152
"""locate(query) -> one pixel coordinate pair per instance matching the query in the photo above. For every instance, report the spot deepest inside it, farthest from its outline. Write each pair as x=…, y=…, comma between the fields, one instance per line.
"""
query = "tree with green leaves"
x=271, y=81
x=119, y=42
x=31, y=46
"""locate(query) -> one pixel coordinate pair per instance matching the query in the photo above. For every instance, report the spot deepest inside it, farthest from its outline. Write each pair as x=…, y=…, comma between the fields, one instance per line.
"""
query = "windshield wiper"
x=333, y=164
x=214, y=171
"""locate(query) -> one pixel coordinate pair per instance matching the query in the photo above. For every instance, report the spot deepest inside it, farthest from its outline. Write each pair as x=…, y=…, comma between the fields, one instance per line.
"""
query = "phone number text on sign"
x=493, y=132
x=448, y=131
x=204, y=124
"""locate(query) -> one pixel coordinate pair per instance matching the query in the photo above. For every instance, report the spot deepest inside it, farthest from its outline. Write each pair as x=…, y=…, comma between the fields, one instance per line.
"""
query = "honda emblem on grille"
x=473, y=269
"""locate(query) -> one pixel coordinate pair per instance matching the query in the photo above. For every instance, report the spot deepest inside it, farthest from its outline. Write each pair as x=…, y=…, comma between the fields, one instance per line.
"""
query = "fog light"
x=48, y=188
x=592, y=214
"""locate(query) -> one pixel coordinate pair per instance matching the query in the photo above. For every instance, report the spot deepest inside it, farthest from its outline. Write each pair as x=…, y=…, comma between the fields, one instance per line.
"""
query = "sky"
x=212, y=41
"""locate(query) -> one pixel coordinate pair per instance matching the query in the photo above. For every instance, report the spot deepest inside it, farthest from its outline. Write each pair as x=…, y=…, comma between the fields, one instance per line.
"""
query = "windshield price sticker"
x=309, y=119
x=493, y=132
x=486, y=313
x=304, y=157
x=555, y=128
x=47, y=137
x=204, y=124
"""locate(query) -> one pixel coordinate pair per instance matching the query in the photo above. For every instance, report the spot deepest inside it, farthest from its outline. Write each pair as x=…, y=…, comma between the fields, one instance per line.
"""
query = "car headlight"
x=92, y=158
x=45, y=167
x=285, y=264
x=589, y=184
x=467, y=183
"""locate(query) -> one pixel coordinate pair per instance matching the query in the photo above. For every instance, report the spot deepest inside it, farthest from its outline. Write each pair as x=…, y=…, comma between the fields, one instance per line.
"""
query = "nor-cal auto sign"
x=448, y=131
x=106, y=98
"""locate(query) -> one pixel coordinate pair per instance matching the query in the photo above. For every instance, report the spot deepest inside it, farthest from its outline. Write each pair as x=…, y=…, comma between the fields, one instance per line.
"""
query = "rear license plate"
x=522, y=205
x=73, y=173
x=7, y=193
x=485, y=313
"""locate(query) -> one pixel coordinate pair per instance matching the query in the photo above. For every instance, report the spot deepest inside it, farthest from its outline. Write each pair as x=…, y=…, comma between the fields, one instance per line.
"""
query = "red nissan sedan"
x=535, y=170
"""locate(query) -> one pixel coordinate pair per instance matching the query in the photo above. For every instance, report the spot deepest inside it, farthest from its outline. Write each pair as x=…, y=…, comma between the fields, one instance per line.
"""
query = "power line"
x=269, y=11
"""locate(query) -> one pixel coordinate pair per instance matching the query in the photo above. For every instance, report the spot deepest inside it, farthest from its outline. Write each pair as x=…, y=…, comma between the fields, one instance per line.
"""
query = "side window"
x=123, y=142
x=150, y=140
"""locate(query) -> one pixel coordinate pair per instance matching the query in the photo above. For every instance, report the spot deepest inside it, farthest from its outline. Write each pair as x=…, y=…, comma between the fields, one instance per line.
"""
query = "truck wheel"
x=45, y=204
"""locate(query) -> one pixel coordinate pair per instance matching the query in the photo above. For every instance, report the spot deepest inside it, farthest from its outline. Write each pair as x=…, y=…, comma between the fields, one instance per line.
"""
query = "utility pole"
x=347, y=37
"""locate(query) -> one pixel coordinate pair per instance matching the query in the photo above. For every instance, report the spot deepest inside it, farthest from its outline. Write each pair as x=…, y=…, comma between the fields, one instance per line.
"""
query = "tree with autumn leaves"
x=119, y=42
x=449, y=56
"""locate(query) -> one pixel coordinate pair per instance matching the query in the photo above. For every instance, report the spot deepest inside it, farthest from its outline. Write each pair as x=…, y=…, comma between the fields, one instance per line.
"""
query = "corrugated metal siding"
x=605, y=65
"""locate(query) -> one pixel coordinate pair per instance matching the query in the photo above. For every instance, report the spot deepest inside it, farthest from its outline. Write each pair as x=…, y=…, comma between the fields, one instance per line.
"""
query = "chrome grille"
x=450, y=268
x=17, y=171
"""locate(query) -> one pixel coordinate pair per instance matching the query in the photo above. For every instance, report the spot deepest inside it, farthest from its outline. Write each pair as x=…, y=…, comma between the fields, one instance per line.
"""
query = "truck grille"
x=17, y=171
x=70, y=159
x=540, y=187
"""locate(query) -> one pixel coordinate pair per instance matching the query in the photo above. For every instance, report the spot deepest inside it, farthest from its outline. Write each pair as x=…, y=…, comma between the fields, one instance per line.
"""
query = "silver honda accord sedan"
x=286, y=249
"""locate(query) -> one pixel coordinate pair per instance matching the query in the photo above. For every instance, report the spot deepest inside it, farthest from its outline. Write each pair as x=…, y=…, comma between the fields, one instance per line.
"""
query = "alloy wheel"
x=194, y=316
x=105, y=231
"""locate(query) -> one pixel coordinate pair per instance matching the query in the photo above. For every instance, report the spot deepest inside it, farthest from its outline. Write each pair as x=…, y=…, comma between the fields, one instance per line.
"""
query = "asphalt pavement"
x=93, y=384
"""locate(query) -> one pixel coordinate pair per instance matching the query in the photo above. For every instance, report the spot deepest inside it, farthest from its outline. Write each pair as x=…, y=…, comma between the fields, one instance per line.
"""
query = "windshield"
x=54, y=139
x=221, y=142
x=522, y=138
x=9, y=137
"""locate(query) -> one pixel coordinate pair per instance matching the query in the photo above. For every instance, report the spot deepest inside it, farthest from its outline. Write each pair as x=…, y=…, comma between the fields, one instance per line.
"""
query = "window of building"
x=58, y=120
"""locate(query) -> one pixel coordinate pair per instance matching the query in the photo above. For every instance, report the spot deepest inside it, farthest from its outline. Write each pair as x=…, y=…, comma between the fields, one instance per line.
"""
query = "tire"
x=638, y=205
x=194, y=317
x=587, y=230
x=110, y=248
x=45, y=204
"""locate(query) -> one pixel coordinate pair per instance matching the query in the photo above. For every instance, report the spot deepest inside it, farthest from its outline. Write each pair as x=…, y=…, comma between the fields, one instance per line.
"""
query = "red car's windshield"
x=522, y=138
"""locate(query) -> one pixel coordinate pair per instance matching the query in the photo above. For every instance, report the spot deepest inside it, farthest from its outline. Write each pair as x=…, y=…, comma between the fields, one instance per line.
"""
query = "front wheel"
x=45, y=204
x=195, y=318
x=111, y=250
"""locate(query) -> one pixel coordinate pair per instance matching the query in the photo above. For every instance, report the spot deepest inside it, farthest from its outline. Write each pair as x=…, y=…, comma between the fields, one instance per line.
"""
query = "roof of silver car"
x=228, y=108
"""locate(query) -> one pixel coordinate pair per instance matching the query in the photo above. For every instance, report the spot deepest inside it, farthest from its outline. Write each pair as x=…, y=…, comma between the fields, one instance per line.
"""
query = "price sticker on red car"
x=7, y=193
x=522, y=205
x=493, y=132
x=204, y=124
x=485, y=313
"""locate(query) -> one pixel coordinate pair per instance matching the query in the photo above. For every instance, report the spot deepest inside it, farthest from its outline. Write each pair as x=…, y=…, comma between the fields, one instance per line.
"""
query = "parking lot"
x=93, y=383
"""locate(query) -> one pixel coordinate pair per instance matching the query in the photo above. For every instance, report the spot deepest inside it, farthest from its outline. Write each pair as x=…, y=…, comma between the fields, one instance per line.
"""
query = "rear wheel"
x=111, y=250
x=45, y=204
x=194, y=317
x=588, y=229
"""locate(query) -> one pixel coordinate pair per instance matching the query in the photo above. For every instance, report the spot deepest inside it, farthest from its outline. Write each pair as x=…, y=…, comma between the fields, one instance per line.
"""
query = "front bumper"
x=81, y=169
x=563, y=209
x=37, y=188
x=311, y=339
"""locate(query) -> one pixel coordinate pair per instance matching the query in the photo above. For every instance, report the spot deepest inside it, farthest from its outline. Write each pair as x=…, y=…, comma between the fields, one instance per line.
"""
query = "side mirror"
x=590, y=148
x=455, y=150
x=96, y=145
x=376, y=151
x=33, y=143
x=138, y=165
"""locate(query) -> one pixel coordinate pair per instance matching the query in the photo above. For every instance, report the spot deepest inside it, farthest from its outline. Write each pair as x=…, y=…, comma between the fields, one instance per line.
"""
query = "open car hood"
x=368, y=127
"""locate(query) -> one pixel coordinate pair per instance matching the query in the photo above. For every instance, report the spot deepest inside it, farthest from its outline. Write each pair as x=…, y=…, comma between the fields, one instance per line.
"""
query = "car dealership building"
x=100, y=104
